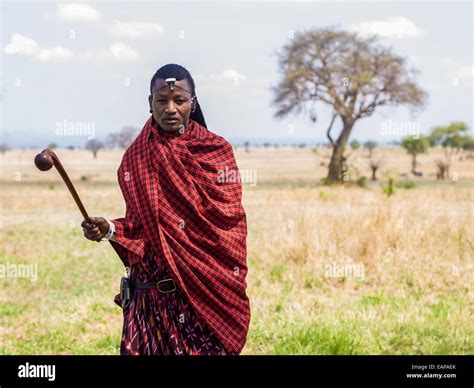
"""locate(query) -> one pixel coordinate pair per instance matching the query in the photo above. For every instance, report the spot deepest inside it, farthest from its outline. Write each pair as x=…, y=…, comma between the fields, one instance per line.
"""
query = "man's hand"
x=96, y=229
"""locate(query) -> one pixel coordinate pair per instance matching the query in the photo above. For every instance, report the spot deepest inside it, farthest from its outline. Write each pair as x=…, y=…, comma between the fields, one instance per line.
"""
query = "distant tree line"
x=452, y=138
x=121, y=139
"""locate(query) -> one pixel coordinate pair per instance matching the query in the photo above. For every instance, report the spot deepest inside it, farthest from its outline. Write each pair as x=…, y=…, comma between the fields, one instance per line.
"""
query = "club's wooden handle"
x=57, y=163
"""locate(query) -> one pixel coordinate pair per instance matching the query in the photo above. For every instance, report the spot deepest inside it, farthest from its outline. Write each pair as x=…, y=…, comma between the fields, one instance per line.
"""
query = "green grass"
x=376, y=324
x=412, y=309
x=70, y=308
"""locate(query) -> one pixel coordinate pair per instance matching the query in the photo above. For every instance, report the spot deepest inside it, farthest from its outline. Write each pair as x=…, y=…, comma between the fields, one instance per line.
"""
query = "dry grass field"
x=332, y=269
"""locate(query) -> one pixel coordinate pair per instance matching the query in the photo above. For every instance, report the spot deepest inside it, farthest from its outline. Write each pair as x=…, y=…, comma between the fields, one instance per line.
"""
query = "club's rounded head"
x=43, y=161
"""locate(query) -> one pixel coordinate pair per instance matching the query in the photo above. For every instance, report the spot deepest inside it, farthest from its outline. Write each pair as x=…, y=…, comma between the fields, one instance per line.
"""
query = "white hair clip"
x=170, y=82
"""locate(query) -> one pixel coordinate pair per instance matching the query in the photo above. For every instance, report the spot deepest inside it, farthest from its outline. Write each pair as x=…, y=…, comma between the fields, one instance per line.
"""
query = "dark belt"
x=164, y=286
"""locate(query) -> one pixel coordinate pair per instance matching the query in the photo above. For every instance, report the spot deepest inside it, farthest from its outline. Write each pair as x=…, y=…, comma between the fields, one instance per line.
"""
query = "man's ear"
x=150, y=101
x=193, y=106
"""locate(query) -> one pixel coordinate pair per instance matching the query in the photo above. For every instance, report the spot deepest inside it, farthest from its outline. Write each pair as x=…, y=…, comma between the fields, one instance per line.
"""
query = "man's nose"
x=170, y=107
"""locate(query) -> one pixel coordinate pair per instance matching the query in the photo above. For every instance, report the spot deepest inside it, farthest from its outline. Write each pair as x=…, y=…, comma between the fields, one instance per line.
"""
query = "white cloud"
x=55, y=54
x=23, y=45
x=121, y=52
x=233, y=75
x=77, y=12
x=135, y=30
x=20, y=44
x=230, y=80
x=395, y=28
x=228, y=74
x=456, y=70
x=85, y=13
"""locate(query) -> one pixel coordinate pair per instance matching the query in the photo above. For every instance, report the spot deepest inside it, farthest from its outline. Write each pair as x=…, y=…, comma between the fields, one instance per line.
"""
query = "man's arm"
x=127, y=238
x=111, y=233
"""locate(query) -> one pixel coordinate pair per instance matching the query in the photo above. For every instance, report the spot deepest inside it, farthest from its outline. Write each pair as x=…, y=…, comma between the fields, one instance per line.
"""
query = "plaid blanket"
x=183, y=201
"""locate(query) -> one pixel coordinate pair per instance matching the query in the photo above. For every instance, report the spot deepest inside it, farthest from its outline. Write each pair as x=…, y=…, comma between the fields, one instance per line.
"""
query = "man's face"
x=171, y=108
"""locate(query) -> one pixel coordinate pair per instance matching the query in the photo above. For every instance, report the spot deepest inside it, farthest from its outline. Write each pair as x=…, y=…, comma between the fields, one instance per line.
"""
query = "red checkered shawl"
x=184, y=204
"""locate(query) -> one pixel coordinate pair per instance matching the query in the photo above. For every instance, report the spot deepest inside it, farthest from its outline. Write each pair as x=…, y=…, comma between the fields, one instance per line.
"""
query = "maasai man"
x=183, y=237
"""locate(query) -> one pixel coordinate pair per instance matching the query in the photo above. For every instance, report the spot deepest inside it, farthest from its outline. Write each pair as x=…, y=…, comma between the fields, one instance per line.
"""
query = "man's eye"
x=180, y=102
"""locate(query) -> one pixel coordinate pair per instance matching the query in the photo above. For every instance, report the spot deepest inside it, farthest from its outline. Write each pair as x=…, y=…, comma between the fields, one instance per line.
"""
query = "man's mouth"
x=171, y=121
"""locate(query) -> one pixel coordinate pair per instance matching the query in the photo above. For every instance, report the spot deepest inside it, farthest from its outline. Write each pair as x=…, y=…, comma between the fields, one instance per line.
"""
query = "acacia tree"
x=449, y=137
x=370, y=146
x=468, y=146
x=355, y=144
x=3, y=148
x=123, y=138
x=94, y=146
x=352, y=75
x=415, y=146
x=375, y=165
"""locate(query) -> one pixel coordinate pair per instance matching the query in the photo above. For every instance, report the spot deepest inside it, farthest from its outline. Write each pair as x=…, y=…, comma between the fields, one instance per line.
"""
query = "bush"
x=390, y=188
x=406, y=185
x=362, y=182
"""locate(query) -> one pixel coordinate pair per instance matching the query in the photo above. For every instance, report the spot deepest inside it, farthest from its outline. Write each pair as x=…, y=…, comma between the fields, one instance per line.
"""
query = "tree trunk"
x=374, y=173
x=336, y=163
x=413, y=163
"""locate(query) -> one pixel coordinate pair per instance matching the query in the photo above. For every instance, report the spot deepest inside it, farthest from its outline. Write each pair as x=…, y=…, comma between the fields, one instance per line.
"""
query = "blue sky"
x=69, y=63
